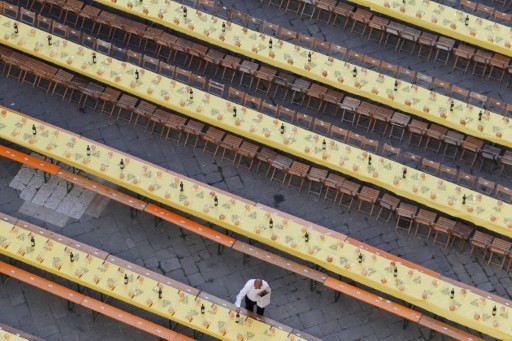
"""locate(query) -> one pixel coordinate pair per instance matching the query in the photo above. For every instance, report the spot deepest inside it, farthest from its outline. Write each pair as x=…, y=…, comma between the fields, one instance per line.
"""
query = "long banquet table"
x=429, y=190
x=329, y=249
x=130, y=283
x=448, y=21
x=408, y=98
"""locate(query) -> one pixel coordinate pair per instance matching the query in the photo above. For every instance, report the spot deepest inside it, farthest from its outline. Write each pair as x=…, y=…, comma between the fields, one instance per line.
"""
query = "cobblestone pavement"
x=193, y=260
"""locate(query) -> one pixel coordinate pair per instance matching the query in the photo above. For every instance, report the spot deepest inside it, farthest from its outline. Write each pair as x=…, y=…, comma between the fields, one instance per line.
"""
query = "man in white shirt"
x=252, y=289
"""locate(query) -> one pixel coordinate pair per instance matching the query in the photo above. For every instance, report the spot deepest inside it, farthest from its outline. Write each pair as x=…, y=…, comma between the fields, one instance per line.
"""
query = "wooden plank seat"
x=28, y=160
x=5, y=329
x=90, y=303
x=251, y=251
x=163, y=214
x=446, y=329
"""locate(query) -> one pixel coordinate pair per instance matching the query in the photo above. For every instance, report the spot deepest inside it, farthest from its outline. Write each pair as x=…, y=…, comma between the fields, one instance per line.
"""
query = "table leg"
x=71, y=305
x=220, y=249
x=69, y=186
x=133, y=212
x=46, y=177
x=157, y=221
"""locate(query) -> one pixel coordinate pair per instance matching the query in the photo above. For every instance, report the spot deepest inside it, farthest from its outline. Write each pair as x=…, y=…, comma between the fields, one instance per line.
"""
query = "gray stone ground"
x=194, y=260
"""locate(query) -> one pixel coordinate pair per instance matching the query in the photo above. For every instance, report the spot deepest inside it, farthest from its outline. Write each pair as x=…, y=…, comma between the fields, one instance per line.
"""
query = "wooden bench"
x=134, y=204
x=187, y=224
x=20, y=335
x=251, y=251
x=34, y=162
x=98, y=307
x=446, y=329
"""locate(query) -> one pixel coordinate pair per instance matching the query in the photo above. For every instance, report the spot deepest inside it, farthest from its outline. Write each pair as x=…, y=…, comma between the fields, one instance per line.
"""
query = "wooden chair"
x=481, y=60
x=463, y=56
x=499, y=65
x=299, y=171
x=280, y=165
x=247, y=151
x=435, y=135
x=339, y=133
x=499, y=247
x=443, y=227
x=424, y=80
x=447, y=173
x=44, y=23
x=442, y=86
x=265, y=155
x=236, y=95
x=268, y=109
x=482, y=241
x=126, y=103
x=405, y=214
x=355, y=139
x=316, y=178
x=484, y=186
x=503, y=193
x=452, y=141
x=321, y=127
x=332, y=98
x=350, y=189
x=287, y=35
x=390, y=152
x=393, y=30
x=466, y=180
x=342, y=12
x=183, y=76
x=159, y=118
x=230, y=145
x=444, y=48
x=294, y=6
x=377, y=24
x=468, y=6
x=406, y=74
x=484, y=11
x=333, y=182
x=408, y=39
x=298, y=89
x=166, y=70
x=368, y=196
x=500, y=17
x=349, y=107
x=426, y=219
x=283, y=80
x=133, y=57
x=215, y=88
x=305, y=41
x=387, y=203
x=252, y=102
x=412, y=160
x=417, y=130
x=370, y=145
x=471, y=147
x=315, y=94
x=285, y=114
x=337, y=51
x=304, y=121
x=143, y=113
x=361, y=17
x=461, y=232
x=264, y=76
x=212, y=136
x=229, y=64
x=388, y=69
x=426, y=43
x=460, y=93
x=430, y=166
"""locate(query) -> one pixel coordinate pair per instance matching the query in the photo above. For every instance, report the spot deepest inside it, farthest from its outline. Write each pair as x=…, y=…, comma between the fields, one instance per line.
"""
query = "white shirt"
x=250, y=291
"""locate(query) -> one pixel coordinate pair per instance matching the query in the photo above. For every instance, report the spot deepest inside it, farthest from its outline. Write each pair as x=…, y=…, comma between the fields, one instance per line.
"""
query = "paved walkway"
x=194, y=260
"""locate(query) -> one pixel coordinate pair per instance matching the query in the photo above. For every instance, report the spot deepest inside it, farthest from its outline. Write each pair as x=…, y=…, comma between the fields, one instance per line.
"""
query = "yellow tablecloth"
x=324, y=69
x=448, y=21
x=245, y=218
x=5, y=335
x=108, y=278
x=426, y=189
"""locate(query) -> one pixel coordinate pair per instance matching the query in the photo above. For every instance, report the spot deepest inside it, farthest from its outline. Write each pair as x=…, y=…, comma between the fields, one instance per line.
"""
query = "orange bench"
x=163, y=214
x=90, y=303
x=446, y=329
x=34, y=162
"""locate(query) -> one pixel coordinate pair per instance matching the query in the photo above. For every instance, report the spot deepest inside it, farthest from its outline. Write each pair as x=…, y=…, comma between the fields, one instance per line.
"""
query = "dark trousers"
x=249, y=305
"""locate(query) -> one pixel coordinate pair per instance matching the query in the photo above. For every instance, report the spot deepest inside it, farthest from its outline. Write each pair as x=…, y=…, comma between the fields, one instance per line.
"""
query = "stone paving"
x=193, y=260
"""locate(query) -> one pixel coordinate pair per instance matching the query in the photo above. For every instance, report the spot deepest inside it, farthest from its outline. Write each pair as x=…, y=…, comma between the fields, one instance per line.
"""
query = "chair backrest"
x=216, y=88
x=237, y=17
x=103, y=47
x=205, y=5
x=477, y=99
x=305, y=41
x=467, y=5
x=466, y=179
x=288, y=35
x=62, y=31
x=133, y=57
x=9, y=10
x=504, y=18
x=388, y=69
x=355, y=139
x=411, y=159
x=390, y=152
x=166, y=70
x=355, y=56
x=321, y=46
x=268, y=109
x=504, y=193
x=370, y=145
x=28, y=17
x=371, y=63
x=321, y=127
x=269, y=28
x=487, y=11
x=447, y=172
x=74, y=35
x=423, y=80
x=303, y=120
x=338, y=52
x=198, y=81
x=430, y=166
x=440, y=84
x=254, y=102
x=406, y=74
x=485, y=186
x=236, y=95
x=182, y=75
x=496, y=106
x=285, y=114
x=339, y=133
x=459, y=92
x=43, y=23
